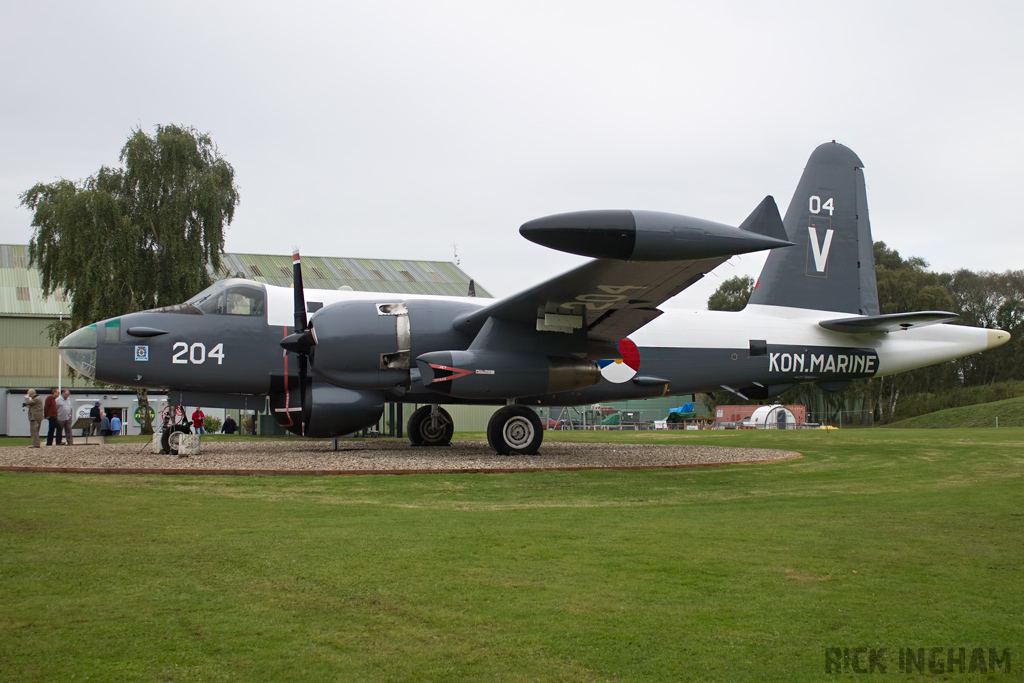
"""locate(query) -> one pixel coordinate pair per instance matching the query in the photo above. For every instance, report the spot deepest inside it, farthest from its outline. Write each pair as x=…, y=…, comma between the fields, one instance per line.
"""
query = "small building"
x=772, y=417
x=729, y=417
x=120, y=402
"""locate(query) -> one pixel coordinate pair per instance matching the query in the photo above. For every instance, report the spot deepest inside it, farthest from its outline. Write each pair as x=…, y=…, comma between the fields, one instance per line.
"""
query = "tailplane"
x=832, y=265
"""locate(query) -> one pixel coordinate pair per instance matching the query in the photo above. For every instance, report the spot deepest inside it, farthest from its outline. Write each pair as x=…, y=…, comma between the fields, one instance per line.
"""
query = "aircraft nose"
x=78, y=350
x=997, y=338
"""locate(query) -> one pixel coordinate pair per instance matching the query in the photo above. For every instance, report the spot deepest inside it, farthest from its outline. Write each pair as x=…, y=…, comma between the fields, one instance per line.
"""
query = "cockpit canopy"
x=232, y=297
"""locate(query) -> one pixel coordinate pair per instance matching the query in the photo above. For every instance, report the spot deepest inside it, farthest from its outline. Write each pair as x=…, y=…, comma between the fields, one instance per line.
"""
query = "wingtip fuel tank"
x=651, y=235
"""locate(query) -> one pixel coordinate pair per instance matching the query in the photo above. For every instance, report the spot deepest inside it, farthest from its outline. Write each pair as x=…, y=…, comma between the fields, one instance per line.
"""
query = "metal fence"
x=842, y=418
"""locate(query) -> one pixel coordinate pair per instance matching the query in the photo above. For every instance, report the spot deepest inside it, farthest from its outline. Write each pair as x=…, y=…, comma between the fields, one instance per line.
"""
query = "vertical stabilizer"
x=832, y=266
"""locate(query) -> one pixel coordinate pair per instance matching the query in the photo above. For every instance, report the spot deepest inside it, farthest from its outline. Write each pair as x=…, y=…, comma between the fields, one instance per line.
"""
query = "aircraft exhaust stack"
x=656, y=236
x=490, y=374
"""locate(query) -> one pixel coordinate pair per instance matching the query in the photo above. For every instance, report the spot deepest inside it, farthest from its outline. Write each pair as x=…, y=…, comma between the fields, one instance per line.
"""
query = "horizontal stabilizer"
x=890, y=322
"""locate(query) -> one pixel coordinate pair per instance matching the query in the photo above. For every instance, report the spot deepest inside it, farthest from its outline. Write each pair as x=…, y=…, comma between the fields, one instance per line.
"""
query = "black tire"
x=169, y=441
x=423, y=432
x=515, y=430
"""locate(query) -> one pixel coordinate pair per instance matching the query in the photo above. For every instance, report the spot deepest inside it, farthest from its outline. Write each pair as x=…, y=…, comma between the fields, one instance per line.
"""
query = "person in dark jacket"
x=50, y=413
x=97, y=417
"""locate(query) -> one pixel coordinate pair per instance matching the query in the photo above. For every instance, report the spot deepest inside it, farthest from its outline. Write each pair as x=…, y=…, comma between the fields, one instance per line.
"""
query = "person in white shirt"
x=65, y=411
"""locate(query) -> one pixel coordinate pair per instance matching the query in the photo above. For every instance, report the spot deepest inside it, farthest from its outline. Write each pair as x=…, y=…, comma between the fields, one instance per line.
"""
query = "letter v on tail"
x=820, y=254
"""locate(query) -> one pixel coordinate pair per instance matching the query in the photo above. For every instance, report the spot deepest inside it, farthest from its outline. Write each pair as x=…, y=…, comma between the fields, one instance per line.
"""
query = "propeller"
x=302, y=340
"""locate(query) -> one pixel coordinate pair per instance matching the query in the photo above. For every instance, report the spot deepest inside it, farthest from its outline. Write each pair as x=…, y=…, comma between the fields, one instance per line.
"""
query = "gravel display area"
x=319, y=457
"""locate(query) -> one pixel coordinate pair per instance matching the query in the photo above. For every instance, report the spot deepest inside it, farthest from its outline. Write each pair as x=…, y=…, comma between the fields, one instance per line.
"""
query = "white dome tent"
x=772, y=417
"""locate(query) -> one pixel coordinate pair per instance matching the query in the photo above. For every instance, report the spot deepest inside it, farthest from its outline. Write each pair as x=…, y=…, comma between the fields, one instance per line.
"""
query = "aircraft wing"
x=643, y=258
x=890, y=322
x=610, y=299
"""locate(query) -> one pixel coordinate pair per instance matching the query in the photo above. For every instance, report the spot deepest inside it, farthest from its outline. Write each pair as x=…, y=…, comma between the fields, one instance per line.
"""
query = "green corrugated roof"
x=21, y=291
x=368, y=275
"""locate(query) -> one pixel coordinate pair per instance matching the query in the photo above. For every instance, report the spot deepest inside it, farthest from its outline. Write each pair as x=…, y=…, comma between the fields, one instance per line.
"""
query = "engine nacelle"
x=326, y=410
x=368, y=345
x=361, y=344
x=501, y=375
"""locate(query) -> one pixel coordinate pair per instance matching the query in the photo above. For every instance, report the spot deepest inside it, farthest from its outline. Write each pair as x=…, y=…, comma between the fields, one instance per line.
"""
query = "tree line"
x=980, y=299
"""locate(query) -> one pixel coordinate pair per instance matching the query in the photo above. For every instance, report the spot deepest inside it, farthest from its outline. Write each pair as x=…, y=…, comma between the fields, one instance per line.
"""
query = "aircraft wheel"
x=424, y=431
x=515, y=430
x=171, y=438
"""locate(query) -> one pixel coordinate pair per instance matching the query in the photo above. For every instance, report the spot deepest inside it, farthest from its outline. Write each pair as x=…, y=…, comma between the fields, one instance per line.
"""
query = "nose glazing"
x=78, y=350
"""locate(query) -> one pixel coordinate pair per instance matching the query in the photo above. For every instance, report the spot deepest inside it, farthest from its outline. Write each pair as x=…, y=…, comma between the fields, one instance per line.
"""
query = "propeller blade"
x=303, y=403
x=301, y=341
x=300, y=297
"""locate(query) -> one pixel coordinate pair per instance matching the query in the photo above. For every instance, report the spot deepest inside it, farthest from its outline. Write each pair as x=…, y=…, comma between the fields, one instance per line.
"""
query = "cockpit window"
x=244, y=301
x=235, y=299
x=208, y=293
x=213, y=304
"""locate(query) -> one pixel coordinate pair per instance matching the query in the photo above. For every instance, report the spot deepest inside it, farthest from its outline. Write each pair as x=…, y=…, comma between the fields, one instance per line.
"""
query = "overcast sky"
x=397, y=129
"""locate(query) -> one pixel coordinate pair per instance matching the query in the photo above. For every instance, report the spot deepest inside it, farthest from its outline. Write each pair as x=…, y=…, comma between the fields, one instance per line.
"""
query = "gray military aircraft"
x=592, y=334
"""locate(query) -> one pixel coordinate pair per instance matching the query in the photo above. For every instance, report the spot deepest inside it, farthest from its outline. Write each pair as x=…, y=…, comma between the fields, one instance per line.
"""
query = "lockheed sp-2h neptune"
x=592, y=334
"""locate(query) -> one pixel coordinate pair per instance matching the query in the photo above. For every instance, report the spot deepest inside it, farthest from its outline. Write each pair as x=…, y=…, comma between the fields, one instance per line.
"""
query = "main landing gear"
x=515, y=430
x=512, y=430
x=431, y=426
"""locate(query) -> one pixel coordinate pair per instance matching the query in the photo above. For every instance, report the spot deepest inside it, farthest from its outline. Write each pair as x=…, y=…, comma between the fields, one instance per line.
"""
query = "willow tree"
x=132, y=238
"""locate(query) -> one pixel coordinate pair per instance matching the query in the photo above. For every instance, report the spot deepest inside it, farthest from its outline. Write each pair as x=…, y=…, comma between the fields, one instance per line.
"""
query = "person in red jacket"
x=197, y=421
x=50, y=413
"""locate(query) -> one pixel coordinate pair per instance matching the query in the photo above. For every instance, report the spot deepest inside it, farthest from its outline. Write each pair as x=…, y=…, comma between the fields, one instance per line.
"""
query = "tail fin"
x=832, y=266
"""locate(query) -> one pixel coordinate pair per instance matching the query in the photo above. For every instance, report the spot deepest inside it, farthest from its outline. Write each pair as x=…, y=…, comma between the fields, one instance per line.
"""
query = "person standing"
x=50, y=413
x=115, y=425
x=97, y=417
x=197, y=421
x=65, y=410
x=230, y=426
x=35, y=414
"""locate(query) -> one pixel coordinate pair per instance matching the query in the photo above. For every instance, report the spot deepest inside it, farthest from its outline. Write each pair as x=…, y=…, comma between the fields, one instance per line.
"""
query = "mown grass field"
x=875, y=538
x=1009, y=412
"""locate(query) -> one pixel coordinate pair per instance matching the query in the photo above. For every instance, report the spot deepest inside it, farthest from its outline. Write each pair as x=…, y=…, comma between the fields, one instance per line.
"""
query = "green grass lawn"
x=875, y=538
x=1010, y=413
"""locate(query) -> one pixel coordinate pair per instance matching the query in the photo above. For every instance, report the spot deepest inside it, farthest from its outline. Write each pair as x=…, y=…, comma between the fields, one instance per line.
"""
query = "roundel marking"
x=622, y=370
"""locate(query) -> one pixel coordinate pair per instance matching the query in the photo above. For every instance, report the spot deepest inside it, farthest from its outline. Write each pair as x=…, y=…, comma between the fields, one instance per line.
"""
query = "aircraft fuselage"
x=762, y=349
